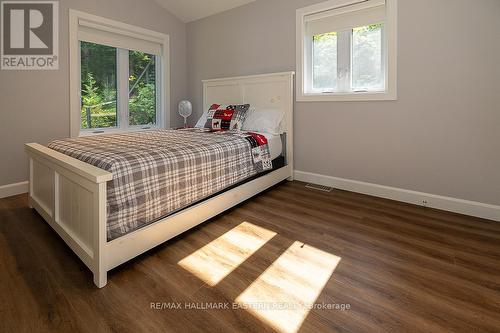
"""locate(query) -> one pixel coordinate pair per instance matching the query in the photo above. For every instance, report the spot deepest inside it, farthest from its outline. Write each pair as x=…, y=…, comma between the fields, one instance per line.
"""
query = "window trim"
x=302, y=54
x=108, y=25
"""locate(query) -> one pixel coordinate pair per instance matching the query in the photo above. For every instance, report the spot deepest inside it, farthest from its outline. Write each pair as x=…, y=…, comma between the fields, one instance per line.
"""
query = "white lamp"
x=185, y=110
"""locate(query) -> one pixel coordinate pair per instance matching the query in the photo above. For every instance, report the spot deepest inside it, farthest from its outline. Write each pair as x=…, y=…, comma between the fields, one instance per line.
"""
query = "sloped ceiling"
x=192, y=10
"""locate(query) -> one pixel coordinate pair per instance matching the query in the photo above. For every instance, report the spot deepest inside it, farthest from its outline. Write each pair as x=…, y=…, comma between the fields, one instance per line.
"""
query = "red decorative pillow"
x=227, y=117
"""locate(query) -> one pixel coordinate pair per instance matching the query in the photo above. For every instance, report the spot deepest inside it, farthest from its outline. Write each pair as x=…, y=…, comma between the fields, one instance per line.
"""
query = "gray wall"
x=34, y=105
x=442, y=135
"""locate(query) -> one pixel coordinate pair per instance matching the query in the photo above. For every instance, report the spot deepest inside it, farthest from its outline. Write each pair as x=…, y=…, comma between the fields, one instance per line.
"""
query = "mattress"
x=275, y=144
x=158, y=172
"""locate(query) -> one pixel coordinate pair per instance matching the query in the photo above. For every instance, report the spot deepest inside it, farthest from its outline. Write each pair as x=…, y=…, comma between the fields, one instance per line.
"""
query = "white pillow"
x=202, y=121
x=264, y=120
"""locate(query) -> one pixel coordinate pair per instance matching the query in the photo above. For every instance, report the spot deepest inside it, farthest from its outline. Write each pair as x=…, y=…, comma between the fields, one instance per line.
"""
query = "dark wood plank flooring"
x=402, y=268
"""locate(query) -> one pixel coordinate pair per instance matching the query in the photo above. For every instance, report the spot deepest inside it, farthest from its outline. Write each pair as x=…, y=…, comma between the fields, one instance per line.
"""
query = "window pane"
x=325, y=62
x=142, y=88
x=367, y=69
x=98, y=86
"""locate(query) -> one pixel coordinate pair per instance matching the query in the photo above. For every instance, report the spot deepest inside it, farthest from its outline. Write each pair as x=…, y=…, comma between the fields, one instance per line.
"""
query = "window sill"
x=96, y=131
x=347, y=97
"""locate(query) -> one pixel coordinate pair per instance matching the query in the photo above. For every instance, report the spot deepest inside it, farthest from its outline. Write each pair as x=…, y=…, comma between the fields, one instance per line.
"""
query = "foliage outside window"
x=349, y=60
x=100, y=89
x=325, y=62
x=98, y=81
x=142, y=88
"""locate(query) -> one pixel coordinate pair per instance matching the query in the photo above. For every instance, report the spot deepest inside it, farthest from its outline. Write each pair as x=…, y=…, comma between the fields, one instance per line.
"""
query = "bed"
x=76, y=186
x=161, y=171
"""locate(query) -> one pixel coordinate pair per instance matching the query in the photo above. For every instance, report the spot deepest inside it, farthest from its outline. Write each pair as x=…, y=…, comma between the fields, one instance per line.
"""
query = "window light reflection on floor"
x=214, y=261
x=292, y=283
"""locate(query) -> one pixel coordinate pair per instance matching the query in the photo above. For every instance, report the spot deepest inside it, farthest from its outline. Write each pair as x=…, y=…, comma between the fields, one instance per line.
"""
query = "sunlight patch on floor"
x=214, y=261
x=283, y=295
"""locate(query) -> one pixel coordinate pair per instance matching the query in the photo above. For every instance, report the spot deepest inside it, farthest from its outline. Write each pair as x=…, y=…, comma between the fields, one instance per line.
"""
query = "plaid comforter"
x=158, y=172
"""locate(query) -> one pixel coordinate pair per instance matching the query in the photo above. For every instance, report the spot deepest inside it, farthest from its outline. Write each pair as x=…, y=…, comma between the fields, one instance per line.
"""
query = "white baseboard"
x=472, y=208
x=466, y=207
x=13, y=189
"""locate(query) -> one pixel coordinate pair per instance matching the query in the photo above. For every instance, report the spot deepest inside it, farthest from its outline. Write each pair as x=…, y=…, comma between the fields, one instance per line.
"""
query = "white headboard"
x=273, y=90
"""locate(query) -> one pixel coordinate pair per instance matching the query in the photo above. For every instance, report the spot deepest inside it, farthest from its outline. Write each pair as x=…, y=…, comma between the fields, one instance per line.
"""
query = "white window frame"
x=304, y=46
x=162, y=66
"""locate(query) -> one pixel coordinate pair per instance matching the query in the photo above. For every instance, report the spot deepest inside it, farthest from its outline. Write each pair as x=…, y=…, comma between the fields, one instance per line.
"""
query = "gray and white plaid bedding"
x=160, y=171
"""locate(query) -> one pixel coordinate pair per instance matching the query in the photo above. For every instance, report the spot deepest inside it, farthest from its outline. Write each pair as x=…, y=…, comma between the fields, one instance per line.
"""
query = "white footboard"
x=71, y=196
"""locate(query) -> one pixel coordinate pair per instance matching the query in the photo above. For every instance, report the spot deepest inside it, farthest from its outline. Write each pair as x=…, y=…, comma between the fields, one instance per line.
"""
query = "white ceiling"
x=192, y=10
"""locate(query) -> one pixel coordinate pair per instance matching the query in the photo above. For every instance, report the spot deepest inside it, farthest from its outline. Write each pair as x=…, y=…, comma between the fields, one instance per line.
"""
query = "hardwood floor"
x=398, y=267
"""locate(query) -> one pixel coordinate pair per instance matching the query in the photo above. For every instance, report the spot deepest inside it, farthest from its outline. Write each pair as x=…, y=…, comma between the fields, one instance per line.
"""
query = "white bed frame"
x=71, y=195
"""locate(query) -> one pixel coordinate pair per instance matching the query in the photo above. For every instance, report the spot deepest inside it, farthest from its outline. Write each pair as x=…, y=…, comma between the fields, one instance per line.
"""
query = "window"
x=346, y=50
x=120, y=74
x=98, y=86
x=142, y=89
x=100, y=66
